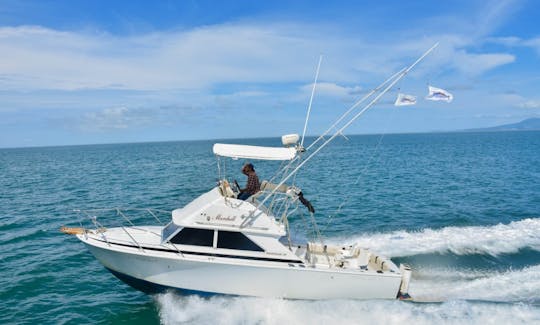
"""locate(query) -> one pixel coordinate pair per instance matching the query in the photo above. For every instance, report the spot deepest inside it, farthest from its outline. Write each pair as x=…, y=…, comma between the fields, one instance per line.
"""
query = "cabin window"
x=236, y=240
x=194, y=236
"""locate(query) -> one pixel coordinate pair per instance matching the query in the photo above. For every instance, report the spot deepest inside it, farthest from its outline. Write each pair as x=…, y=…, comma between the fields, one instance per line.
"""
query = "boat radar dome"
x=290, y=140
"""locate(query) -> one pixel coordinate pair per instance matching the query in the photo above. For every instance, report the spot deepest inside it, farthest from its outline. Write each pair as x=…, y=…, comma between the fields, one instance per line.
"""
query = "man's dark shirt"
x=253, y=186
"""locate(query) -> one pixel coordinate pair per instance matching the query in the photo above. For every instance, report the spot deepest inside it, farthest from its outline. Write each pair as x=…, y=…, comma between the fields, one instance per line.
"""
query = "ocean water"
x=463, y=209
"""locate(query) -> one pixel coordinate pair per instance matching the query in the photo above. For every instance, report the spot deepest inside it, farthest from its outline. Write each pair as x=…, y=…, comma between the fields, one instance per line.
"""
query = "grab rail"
x=91, y=214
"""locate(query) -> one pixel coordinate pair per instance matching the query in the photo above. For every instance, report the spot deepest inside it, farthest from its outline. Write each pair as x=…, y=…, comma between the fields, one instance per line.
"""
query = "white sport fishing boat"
x=218, y=244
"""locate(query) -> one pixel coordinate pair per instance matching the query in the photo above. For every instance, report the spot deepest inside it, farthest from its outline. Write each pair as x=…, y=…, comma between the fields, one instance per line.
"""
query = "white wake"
x=175, y=309
x=508, y=286
x=490, y=240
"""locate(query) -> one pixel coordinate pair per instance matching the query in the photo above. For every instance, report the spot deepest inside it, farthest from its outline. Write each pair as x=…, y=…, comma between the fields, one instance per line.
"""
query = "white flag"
x=405, y=100
x=439, y=94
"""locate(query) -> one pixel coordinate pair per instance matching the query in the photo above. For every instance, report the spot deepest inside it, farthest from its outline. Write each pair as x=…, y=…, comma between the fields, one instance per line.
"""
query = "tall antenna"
x=311, y=100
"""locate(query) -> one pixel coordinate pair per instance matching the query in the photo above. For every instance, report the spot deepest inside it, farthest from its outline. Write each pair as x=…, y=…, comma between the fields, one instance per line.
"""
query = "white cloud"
x=123, y=117
x=475, y=64
x=113, y=118
x=243, y=94
x=493, y=14
x=510, y=98
x=35, y=57
x=533, y=43
x=40, y=58
x=519, y=101
x=239, y=98
x=530, y=104
x=452, y=55
x=331, y=89
x=506, y=41
x=513, y=41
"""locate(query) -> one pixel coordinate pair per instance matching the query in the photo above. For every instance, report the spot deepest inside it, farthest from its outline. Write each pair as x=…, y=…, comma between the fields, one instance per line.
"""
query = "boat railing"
x=281, y=206
x=129, y=216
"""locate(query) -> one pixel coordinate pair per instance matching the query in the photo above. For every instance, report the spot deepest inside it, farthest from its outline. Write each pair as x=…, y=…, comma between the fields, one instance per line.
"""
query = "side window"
x=193, y=236
x=236, y=240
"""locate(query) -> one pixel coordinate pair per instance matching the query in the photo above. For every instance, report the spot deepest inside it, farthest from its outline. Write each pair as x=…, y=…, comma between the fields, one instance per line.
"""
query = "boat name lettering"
x=228, y=218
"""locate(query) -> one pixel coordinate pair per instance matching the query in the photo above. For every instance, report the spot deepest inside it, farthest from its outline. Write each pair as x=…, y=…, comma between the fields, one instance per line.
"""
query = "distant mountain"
x=528, y=124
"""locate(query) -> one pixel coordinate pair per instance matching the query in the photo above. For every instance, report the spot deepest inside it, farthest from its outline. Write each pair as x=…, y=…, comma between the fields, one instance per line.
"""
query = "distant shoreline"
x=530, y=124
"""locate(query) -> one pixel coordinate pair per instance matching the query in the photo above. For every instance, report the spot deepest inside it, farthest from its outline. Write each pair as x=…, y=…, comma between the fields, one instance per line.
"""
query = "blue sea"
x=463, y=209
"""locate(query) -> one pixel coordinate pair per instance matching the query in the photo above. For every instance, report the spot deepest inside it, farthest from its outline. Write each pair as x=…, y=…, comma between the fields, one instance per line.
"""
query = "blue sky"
x=80, y=72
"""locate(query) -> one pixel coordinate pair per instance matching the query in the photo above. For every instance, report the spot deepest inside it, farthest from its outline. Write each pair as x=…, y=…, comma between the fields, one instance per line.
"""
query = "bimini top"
x=236, y=151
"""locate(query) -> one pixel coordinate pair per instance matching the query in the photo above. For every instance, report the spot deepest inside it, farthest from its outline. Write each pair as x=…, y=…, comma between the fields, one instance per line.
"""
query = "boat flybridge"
x=219, y=244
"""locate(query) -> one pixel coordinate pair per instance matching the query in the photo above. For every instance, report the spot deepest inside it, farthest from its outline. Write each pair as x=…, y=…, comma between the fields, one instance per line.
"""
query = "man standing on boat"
x=252, y=185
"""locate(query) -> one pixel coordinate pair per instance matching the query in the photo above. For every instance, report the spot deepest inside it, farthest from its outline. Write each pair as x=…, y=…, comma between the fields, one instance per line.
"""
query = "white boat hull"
x=216, y=275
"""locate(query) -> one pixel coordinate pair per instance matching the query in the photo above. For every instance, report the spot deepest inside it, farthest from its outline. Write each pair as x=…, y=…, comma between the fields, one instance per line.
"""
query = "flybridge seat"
x=268, y=187
x=226, y=190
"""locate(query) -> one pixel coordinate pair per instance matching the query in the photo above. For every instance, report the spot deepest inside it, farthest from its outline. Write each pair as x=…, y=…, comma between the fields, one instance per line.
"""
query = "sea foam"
x=489, y=240
x=175, y=309
x=508, y=286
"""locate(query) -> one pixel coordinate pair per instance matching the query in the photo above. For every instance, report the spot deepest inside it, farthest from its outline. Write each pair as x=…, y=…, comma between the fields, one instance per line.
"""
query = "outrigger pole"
x=400, y=76
x=311, y=100
x=355, y=105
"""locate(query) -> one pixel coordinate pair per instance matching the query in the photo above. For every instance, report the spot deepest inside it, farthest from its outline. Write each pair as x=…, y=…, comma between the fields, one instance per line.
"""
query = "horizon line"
x=482, y=130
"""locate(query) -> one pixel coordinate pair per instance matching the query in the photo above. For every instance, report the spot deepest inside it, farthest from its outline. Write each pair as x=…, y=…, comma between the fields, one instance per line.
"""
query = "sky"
x=84, y=72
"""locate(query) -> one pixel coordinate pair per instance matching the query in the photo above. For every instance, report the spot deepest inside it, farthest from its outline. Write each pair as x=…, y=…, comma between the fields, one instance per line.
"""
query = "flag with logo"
x=438, y=94
x=405, y=100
